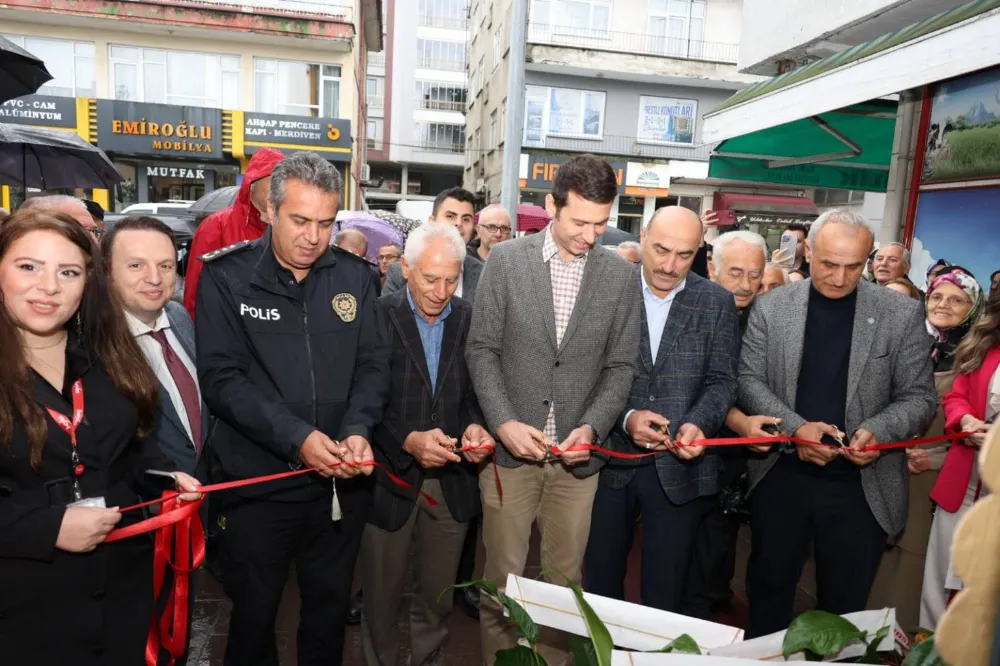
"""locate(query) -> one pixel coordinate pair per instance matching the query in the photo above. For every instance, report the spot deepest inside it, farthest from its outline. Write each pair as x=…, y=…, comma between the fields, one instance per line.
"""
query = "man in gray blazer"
x=141, y=257
x=453, y=206
x=833, y=359
x=552, y=352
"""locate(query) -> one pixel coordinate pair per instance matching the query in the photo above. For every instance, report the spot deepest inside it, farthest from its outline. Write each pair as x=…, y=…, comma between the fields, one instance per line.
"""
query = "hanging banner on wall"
x=963, y=136
x=667, y=120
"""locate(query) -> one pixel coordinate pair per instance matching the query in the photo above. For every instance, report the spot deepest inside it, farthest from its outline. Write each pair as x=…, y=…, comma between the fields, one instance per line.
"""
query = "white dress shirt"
x=153, y=352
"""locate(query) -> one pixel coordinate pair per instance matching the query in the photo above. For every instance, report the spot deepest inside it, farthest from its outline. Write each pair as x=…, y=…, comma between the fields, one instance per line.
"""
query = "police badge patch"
x=346, y=307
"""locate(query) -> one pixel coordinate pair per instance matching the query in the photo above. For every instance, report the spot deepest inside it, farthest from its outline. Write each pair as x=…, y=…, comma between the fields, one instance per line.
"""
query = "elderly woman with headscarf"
x=954, y=303
x=971, y=405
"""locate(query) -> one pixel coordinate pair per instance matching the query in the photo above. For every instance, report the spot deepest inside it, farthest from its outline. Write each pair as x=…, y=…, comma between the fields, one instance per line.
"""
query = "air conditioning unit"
x=481, y=185
x=366, y=172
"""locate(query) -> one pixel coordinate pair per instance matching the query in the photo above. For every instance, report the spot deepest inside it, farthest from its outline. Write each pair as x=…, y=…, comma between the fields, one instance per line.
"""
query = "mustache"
x=744, y=293
x=672, y=274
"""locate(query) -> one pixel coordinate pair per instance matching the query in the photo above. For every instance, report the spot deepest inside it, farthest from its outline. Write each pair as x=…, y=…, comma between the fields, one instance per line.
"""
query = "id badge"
x=95, y=502
x=952, y=581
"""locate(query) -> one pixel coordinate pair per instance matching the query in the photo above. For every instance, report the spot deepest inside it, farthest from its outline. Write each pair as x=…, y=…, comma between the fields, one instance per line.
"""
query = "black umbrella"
x=52, y=160
x=212, y=202
x=20, y=72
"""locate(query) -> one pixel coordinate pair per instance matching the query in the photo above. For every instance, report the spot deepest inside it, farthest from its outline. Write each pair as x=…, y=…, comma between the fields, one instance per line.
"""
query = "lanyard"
x=70, y=428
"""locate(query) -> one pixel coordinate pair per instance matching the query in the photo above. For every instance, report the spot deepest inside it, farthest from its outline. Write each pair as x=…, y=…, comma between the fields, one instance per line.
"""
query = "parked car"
x=212, y=202
x=169, y=207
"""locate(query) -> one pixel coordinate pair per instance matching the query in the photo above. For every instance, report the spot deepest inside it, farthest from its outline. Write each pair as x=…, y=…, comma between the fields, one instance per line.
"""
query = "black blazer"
x=56, y=607
x=412, y=408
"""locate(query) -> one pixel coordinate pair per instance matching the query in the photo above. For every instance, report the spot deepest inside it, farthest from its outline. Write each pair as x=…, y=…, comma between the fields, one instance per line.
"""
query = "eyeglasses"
x=494, y=228
x=950, y=301
x=388, y=257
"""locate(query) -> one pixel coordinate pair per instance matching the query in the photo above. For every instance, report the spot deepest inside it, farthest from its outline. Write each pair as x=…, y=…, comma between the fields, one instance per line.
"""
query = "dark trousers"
x=668, y=532
x=792, y=506
x=259, y=541
x=467, y=561
x=713, y=564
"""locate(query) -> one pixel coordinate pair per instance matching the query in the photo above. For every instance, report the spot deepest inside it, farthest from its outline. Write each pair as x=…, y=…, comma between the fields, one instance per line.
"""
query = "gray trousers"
x=437, y=539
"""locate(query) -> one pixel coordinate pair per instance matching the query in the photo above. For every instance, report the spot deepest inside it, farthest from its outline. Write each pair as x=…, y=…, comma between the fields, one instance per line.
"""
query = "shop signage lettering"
x=542, y=171
x=159, y=129
x=40, y=110
x=290, y=133
x=176, y=172
x=768, y=218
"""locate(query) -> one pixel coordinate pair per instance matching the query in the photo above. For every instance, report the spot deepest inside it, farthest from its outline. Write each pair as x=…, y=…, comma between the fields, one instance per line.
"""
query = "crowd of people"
x=499, y=377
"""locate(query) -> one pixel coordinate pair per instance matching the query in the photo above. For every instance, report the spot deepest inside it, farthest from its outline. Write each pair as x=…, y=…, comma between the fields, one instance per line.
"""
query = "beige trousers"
x=561, y=503
x=438, y=540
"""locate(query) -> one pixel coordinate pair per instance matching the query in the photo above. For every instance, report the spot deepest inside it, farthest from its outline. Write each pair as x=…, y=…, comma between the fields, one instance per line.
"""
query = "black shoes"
x=467, y=600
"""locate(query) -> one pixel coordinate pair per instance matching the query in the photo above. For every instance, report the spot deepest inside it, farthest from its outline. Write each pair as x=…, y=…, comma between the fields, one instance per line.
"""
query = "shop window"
x=165, y=77
x=71, y=65
x=296, y=88
x=834, y=197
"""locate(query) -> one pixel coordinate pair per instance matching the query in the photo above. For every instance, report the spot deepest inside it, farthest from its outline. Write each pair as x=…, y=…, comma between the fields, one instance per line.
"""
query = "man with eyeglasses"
x=494, y=226
x=388, y=254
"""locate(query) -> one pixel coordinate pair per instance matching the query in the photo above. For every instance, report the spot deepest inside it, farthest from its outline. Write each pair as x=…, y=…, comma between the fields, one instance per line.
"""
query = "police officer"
x=292, y=363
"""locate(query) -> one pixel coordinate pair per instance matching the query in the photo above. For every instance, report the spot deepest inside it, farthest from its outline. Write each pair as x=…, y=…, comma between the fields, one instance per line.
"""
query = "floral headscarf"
x=948, y=338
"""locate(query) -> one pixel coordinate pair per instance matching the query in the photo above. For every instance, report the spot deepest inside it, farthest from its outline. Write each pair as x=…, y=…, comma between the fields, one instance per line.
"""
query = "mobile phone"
x=787, y=247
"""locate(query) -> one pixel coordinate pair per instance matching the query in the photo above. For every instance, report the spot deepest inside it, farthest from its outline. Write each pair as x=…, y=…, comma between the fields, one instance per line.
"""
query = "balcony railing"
x=437, y=63
x=441, y=105
x=376, y=59
x=442, y=22
x=629, y=42
x=626, y=146
x=336, y=9
x=441, y=147
x=376, y=102
x=374, y=144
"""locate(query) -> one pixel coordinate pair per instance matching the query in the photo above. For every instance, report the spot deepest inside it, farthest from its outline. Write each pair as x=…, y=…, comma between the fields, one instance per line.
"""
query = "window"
x=375, y=92
x=503, y=121
x=477, y=147
x=441, y=96
x=580, y=17
x=440, y=137
x=489, y=15
x=296, y=88
x=434, y=54
x=562, y=111
x=831, y=197
x=71, y=65
x=666, y=120
x=442, y=13
x=482, y=73
x=165, y=77
x=497, y=47
x=477, y=18
x=677, y=27
x=374, y=133
x=494, y=137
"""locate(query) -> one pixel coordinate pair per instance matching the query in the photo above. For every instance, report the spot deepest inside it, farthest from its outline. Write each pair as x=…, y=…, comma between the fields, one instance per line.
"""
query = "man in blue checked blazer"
x=689, y=354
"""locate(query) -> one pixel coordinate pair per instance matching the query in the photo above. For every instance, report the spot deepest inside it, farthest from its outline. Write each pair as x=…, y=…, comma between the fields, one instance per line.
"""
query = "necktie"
x=185, y=386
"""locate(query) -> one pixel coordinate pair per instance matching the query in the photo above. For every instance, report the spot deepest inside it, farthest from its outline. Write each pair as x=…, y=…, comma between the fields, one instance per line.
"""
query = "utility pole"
x=510, y=192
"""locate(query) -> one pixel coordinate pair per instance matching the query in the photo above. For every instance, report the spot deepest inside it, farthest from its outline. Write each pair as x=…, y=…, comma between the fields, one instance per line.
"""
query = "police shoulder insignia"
x=221, y=252
x=346, y=306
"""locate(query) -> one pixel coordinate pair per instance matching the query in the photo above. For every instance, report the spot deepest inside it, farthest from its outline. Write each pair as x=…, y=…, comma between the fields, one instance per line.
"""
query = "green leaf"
x=682, y=643
x=599, y=634
x=522, y=622
x=519, y=656
x=583, y=651
x=871, y=654
x=823, y=633
x=924, y=654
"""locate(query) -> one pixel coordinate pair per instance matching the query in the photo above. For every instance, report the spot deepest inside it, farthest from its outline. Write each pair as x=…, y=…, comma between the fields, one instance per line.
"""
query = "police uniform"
x=278, y=359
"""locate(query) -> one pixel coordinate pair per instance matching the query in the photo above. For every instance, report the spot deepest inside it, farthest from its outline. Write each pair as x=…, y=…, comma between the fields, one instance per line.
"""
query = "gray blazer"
x=471, y=270
x=890, y=385
x=692, y=381
x=516, y=368
x=169, y=431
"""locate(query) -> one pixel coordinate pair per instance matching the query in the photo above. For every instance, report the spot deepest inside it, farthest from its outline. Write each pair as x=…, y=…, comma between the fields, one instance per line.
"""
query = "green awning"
x=846, y=148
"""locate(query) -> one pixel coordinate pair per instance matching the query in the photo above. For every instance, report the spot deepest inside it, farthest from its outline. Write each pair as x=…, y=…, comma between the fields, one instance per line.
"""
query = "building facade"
x=629, y=80
x=416, y=97
x=180, y=101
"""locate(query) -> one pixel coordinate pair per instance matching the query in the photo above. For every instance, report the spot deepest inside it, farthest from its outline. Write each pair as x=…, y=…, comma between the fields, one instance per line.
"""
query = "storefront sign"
x=522, y=170
x=647, y=179
x=770, y=218
x=40, y=111
x=542, y=171
x=667, y=120
x=159, y=129
x=175, y=172
x=808, y=175
x=291, y=133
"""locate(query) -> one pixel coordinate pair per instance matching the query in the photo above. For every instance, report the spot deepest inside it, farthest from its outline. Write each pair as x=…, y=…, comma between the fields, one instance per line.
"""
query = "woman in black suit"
x=68, y=365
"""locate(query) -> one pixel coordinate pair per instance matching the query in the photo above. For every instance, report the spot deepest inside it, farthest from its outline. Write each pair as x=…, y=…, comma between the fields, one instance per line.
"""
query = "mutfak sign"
x=328, y=136
x=40, y=111
x=162, y=130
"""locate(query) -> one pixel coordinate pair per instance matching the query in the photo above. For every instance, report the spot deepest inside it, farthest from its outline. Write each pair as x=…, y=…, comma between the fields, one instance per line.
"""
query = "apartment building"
x=180, y=94
x=626, y=79
x=417, y=94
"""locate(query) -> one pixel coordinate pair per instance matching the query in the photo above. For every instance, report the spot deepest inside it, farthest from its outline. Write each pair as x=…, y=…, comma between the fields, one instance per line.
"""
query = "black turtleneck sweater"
x=826, y=357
